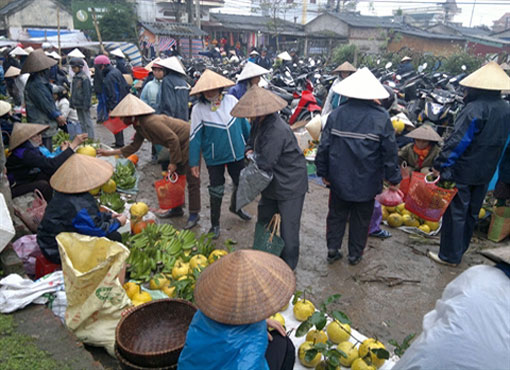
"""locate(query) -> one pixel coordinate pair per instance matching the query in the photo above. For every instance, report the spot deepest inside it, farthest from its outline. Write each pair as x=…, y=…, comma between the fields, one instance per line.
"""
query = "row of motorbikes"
x=424, y=95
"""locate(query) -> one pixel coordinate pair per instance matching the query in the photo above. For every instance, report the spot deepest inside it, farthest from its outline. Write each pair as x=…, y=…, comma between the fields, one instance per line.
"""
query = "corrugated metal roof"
x=366, y=21
x=13, y=6
x=173, y=29
x=428, y=35
x=256, y=23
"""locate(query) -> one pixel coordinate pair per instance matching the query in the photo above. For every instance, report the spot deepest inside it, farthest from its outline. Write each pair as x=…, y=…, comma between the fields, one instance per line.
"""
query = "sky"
x=485, y=11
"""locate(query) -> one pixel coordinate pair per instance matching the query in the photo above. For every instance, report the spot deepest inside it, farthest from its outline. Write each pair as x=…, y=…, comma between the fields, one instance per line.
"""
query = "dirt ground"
x=385, y=296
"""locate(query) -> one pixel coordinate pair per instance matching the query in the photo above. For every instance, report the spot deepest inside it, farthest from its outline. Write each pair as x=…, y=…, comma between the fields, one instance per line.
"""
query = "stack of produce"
x=124, y=175
x=170, y=260
x=400, y=216
x=329, y=342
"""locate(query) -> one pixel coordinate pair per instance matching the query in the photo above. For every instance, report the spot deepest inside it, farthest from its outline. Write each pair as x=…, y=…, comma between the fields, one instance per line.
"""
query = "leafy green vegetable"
x=112, y=201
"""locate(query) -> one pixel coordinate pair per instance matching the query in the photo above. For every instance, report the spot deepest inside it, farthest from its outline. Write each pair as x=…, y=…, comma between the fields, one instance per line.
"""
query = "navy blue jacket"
x=122, y=66
x=40, y=104
x=471, y=153
x=26, y=162
x=405, y=68
x=77, y=213
x=504, y=167
x=174, y=97
x=115, y=87
x=264, y=62
x=358, y=151
x=278, y=153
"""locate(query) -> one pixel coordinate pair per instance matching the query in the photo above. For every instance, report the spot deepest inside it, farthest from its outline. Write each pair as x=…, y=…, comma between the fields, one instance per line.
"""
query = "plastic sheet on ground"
x=292, y=323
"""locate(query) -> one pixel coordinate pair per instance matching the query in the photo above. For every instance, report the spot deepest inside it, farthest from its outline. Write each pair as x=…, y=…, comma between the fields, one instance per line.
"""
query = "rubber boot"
x=233, y=200
x=215, y=198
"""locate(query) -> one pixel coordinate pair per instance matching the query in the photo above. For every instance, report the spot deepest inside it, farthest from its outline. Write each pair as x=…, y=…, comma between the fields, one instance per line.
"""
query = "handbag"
x=37, y=208
x=267, y=238
x=170, y=191
x=252, y=181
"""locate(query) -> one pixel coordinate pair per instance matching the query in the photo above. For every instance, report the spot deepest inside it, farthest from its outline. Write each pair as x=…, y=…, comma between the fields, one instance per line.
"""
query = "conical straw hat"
x=361, y=85
x=489, y=77
x=314, y=127
x=76, y=53
x=210, y=81
x=118, y=53
x=4, y=108
x=18, y=51
x=128, y=78
x=55, y=55
x=258, y=102
x=131, y=106
x=24, y=131
x=244, y=287
x=505, y=67
x=345, y=67
x=405, y=59
x=251, y=70
x=501, y=254
x=29, y=49
x=37, y=61
x=173, y=64
x=425, y=132
x=149, y=66
x=81, y=173
x=402, y=117
x=12, y=72
x=285, y=56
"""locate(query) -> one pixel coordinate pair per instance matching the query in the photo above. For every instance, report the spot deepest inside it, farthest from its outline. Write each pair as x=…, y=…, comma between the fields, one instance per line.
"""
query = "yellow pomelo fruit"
x=391, y=209
x=131, y=289
x=405, y=212
x=360, y=364
x=302, y=352
x=414, y=223
x=365, y=349
x=87, y=150
x=139, y=209
x=395, y=220
x=109, y=187
x=407, y=219
x=141, y=297
x=169, y=291
x=398, y=125
x=278, y=317
x=158, y=283
x=95, y=191
x=350, y=350
x=338, y=332
x=425, y=228
x=482, y=213
x=216, y=255
x=385, y=214
x=198, y=261
x=303, y=309
x=316, y=336
x=433, y=226
x=400, y=208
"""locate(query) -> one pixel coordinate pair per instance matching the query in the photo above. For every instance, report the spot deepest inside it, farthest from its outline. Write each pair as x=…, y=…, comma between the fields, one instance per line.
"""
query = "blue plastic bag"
x=212, y=345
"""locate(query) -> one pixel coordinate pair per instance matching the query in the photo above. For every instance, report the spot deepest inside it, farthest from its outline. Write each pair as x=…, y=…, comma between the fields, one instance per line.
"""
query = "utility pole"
x=472, y=13
x=197, y=16
x=303, y=15
x=58, y=34
x=189, y=5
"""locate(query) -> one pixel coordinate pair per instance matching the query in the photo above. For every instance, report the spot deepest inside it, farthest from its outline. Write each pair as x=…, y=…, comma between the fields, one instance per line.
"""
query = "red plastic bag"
x=115, y=125
x=427, y=200
x=406, y=178
x=170, y=191
x=390, y=198
x=38, y=207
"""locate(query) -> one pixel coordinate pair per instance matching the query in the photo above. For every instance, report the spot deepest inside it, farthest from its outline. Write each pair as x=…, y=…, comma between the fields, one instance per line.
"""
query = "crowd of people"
x=359, y=151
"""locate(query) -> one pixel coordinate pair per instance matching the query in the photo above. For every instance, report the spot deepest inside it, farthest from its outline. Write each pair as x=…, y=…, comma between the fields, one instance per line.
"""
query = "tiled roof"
x=173, y=29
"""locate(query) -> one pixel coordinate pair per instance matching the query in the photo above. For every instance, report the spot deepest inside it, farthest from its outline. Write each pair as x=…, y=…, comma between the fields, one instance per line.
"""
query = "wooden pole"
x=58, y=35
x=96, y=26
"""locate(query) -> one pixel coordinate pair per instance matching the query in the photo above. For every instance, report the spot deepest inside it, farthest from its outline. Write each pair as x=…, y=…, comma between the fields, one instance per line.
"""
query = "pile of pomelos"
x=400, y=216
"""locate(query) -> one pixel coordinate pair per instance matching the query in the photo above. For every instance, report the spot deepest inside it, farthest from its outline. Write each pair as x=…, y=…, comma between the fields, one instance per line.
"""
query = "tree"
x=276, y=11
x=118, y=23
x=346, y=5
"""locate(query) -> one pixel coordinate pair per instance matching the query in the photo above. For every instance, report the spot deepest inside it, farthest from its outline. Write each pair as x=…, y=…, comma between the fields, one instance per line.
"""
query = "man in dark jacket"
x=81, y=96
x=357, y=152
x=470, y=156
x=174, y=93
x=277, y=153
x=405, y=66
x=39, y=101
x=263, y=60
x=115, y=88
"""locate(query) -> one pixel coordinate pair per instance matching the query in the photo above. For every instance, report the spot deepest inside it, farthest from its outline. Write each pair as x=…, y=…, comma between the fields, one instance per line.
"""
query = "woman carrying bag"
x=221, y=138
x=277, y=153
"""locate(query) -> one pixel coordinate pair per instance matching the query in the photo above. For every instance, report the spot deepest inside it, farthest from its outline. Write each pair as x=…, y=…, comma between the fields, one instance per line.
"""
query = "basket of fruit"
x=153, y=334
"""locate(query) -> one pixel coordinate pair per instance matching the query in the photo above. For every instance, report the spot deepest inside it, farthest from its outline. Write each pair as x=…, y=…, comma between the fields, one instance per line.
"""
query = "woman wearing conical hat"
x=40, y=106
x=235, y=297
x=73, y=208
x=422, y=152
x=277, y=152
x=250, y=76
x=333, y=99
x=470, y=155
x=220, y=138
x=27, y=168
